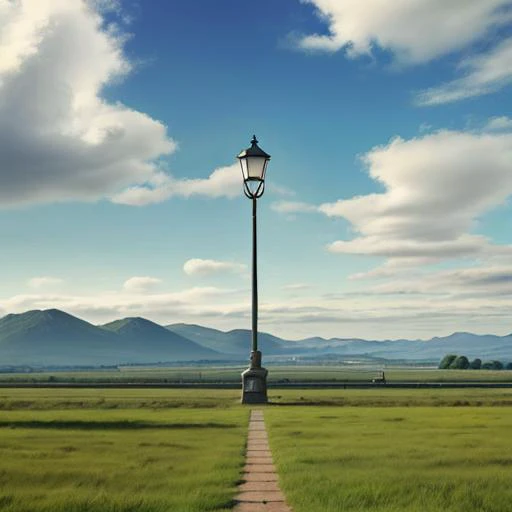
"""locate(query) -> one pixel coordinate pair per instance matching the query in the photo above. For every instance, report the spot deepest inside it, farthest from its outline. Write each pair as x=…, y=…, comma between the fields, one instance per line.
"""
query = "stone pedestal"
x=254, y=382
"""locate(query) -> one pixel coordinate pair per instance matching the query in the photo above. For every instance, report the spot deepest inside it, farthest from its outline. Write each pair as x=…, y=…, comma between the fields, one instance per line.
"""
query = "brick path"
x=259, y=491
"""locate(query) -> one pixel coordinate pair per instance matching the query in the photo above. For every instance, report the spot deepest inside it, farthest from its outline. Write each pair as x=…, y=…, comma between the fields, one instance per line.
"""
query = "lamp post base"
x=254, y=382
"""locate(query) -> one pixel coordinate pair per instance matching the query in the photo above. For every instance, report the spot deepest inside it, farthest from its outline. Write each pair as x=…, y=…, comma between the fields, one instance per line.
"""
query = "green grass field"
x=182, y=450
x=133, y=455
x=393, y=459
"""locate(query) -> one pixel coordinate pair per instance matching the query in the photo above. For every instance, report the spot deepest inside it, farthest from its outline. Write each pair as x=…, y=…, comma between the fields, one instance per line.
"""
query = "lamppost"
x=254, y=163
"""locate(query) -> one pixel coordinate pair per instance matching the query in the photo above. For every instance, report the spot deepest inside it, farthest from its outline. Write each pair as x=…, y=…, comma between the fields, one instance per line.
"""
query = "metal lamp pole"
x=254, y=162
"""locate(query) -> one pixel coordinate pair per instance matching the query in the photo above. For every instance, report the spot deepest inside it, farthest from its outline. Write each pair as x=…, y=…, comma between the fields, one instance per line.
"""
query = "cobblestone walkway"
x=259, y=491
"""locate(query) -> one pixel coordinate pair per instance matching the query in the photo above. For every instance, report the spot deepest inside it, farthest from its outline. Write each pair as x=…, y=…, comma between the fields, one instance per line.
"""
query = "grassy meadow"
x=395, y=455
x=119, y=451
x=182, y=450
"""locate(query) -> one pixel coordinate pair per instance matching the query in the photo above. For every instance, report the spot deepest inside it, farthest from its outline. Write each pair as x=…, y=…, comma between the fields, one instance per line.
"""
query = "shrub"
x=492, y=365
x=447, y=361
x=460, y=363
x=476, y=364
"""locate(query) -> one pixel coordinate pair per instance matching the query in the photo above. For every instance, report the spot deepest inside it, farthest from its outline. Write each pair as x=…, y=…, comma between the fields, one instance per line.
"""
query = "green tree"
x=476, y=364
x=492, y=365
x=509, y=366
x=447, y=361
x=460, y=363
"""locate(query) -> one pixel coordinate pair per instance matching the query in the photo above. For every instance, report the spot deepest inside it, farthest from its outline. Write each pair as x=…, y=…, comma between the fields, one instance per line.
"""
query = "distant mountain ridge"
x=235, y=342
x=238, y=342
x=55, y=338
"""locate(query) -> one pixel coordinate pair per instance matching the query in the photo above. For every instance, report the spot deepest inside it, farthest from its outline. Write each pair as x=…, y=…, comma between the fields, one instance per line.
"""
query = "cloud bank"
x=435, y=187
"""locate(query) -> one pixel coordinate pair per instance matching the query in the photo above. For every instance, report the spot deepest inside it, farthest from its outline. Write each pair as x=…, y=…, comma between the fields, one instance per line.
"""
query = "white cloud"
x=415, y=31
x=420, y=31
x=294, y=287
x=435, y=188
x=293, y=207
x=483, y=74
x=200, y=267
x=44, y=282
x=141, y=283
x=59, y=139
x=487, y=281
x=166, y=306
x=499, y=124
x=223, y=182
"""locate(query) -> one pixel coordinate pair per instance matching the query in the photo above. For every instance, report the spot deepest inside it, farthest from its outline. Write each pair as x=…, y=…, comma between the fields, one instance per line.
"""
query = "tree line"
x=456, y=362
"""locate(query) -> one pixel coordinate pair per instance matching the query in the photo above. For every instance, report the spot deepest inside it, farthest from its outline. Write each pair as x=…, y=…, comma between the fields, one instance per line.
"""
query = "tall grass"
x=414, y=459
x=120, y=460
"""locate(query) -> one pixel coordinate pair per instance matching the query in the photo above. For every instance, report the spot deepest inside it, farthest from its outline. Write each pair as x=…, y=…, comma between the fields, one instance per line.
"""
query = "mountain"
x=55, y=338
x=468, y=344
x=236, y=342
x=52, y=337
x=141, y=334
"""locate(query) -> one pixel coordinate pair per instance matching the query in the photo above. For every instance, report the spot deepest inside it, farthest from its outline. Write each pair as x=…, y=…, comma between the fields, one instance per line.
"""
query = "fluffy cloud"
x=296, y=287
x=499, y=124
x=44, y=282
x=420, y=31
x=223, y=182
x=199, y=267
x=59, y=139
x=483, y=74
x=407, y=28
x=435, y=188
x=141, y=283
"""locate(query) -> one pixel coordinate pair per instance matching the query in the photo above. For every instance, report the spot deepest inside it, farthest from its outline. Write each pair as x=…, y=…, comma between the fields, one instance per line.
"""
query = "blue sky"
x=387, y=209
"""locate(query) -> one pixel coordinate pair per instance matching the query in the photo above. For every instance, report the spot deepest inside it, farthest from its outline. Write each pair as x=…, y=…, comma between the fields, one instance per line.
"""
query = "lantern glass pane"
x=256, y=167
x=243, y=165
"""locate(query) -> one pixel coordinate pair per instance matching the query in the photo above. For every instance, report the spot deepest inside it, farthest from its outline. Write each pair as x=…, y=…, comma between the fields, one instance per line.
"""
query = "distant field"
x=389, y=397
x=208, y=399
x=395, y=459
x=58, y=453
x=277, y=374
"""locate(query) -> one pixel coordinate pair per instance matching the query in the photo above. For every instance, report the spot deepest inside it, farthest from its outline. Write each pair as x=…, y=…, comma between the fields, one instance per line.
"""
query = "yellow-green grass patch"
x=393, y=459
x=120, y=460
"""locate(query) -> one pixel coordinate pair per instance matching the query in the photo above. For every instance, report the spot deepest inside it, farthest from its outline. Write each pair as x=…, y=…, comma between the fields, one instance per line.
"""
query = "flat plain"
x=392, y=450
x=155, y=450
x=70, y=451
x=277, y=374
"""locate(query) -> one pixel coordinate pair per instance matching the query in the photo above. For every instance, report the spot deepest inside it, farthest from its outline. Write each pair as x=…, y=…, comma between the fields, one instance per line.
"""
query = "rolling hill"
x=236, y=342
x=140, y=334
x=55, y=338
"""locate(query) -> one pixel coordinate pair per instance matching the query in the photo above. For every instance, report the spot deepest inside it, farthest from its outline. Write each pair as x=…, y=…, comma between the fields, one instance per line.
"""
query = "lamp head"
x=254, y=162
